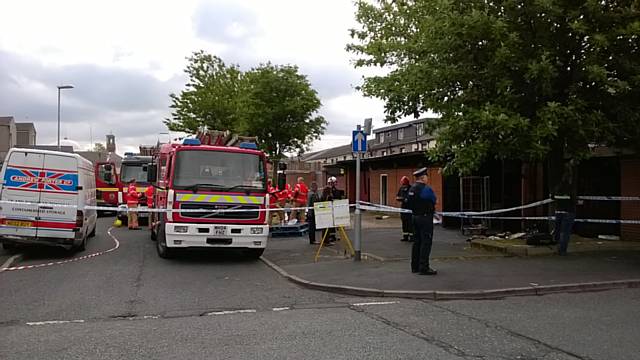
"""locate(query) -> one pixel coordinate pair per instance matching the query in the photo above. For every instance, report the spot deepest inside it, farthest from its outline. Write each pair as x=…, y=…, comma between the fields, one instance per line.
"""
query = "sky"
x=124, y=58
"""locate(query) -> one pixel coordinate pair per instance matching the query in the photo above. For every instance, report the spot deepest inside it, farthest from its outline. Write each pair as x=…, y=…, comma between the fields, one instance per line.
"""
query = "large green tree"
x=275, y=103
x=278, y=105
x=530, y=80
x=209, y=98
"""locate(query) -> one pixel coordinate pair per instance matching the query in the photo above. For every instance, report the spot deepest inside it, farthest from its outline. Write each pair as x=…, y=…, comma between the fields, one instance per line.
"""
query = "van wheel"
x=83, y=244
x=93, y=232
x=161, y=244
x=255, y=253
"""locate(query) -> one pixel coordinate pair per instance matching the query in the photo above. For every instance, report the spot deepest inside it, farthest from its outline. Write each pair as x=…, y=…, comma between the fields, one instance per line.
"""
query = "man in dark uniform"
x=565, y=198
x=422, y=201
x=407, y=227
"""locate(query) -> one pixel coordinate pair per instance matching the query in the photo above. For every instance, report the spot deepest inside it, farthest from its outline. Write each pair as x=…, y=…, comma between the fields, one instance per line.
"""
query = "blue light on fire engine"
x=248, y=145
x=191, y=142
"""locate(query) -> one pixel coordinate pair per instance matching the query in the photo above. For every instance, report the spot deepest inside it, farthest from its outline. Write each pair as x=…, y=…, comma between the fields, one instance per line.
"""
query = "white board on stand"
x=341, y=215
x=323, y=214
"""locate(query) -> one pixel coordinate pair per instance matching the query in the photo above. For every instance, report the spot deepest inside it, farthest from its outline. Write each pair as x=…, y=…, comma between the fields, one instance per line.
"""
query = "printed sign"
x=23, y=179
x=323, y=214
x=341, y=216
x=331, y=214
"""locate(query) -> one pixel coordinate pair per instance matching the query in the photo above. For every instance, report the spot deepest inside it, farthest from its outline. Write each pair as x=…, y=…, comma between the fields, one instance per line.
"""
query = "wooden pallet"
x=289, y=230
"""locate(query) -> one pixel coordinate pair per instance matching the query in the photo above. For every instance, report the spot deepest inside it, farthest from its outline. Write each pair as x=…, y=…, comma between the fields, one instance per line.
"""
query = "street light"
x=60, y=87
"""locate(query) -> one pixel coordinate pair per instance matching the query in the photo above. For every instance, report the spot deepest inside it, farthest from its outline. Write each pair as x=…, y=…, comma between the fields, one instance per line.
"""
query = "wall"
x=630, y=186
x=393, y=184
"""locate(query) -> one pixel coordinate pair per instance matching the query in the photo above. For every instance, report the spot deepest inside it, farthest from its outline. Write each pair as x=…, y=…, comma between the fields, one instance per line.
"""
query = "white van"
x=31, y=182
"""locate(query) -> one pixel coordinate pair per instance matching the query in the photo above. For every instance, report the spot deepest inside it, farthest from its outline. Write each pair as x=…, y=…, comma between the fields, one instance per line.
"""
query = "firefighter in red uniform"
x=300, y=192
x=148, y=193
x=132, y=202
x=274, y=200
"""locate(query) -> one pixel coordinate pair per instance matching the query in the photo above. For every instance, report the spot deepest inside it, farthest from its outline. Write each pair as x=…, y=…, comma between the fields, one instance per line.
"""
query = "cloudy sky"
x=125, y=57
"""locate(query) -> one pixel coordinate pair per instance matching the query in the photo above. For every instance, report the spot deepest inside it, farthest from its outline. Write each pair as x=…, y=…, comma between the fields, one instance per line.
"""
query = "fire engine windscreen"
x=222, y=170
x=133, y=171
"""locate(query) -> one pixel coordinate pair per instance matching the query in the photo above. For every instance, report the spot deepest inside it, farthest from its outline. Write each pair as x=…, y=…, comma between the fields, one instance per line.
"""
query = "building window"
x=414, y=147
x=402, y=150
x=400, y=134
x=419, y=129
x=344, y=158
x=388, y=134
x=384, y=153
x=381, y=137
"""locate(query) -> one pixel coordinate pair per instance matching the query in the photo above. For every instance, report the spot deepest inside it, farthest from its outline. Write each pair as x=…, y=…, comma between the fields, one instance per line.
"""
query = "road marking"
x=26, y=267
x=228, y=312
x=10, y=261
x=376, y=303
x=281, y=308
x=54, y=322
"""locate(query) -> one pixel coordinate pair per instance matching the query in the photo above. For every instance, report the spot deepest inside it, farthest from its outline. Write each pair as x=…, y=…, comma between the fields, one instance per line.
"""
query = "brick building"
x=398, y=150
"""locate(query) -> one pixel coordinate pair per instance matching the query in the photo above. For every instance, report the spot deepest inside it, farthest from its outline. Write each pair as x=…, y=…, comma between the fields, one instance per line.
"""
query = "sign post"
x=359, y=145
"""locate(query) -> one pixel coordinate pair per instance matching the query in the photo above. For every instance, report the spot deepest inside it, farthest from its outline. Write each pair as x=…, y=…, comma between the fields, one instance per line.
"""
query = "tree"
x=278, y=105
x=275, y=103
x=99, y=147
x=209, y=97
x=530, y=80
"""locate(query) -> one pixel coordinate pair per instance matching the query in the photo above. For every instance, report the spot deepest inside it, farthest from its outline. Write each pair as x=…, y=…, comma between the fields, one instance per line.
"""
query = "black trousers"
x=423, y=239
x=407, y=226
x=311, y=220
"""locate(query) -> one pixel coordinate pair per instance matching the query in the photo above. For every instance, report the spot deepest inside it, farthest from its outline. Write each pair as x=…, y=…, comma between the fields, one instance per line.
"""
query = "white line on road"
x=10, y=261
x=281, y=308
x=54, y=322
x=376, y=303
x=228, y=312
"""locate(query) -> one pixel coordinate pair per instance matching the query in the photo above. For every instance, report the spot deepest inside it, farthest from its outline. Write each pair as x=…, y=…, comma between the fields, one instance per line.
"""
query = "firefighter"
x=330, y=193
x=407, y=227
x=148, y=193
x=274, y=199
x=132, y=203
x=299, y=196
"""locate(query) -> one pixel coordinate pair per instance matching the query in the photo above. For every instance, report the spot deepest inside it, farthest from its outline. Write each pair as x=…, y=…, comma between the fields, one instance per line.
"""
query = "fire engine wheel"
x=255, y=253
x=161, y=244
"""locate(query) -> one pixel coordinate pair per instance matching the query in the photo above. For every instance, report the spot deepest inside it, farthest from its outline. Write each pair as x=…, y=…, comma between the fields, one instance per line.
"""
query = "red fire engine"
x=107, y=184
x=226, y=181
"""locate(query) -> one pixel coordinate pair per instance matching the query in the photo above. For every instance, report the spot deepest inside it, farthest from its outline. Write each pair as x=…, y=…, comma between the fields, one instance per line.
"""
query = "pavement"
x=465, y=270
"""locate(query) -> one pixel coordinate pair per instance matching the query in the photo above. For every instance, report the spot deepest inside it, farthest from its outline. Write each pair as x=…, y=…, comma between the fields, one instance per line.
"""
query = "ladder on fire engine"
x=223, y=138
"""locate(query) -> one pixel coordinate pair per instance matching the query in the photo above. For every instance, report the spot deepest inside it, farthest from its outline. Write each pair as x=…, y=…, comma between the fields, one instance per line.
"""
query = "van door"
x=60, y=186
x=20, y=184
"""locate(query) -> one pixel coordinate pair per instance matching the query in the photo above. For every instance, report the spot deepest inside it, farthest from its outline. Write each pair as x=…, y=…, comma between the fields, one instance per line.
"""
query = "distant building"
x=7, y=135
x=26, y=134
x=14, y=134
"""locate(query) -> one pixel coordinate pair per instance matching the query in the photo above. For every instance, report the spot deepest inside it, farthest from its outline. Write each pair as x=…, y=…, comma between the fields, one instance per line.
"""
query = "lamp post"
x=60, y=87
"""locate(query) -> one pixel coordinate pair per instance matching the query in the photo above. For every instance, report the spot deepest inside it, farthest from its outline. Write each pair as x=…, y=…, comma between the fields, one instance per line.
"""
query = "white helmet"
x=332, y=180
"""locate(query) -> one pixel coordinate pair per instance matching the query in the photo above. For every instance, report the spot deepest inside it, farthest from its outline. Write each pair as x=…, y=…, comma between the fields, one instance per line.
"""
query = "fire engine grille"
x=213, y=211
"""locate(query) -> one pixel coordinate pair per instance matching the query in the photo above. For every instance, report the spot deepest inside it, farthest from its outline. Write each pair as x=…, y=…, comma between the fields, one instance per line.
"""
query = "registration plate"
x=19, y=223
x=219, y=230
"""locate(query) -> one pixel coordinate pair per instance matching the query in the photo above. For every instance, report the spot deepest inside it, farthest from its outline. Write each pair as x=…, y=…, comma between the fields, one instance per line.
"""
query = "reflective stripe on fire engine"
x=107, y=189
x=231, y=199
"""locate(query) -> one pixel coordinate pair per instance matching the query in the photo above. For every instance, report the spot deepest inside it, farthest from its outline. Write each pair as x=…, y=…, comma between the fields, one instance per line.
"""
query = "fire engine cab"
x=217, y=194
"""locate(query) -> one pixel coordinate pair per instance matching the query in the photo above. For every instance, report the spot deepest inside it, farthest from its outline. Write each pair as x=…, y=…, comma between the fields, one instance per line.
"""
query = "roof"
x=402, y=125
x=333, y=152
x=63, y=148
x=25, y=127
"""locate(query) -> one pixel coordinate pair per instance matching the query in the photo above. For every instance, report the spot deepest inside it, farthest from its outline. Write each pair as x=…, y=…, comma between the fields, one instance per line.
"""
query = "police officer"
x=422, y=201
